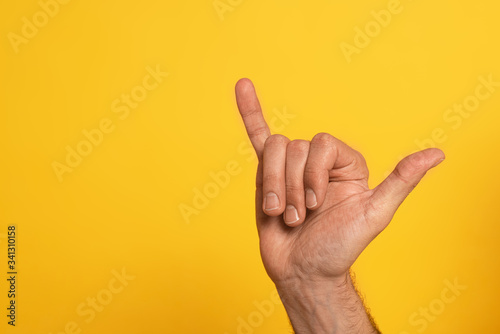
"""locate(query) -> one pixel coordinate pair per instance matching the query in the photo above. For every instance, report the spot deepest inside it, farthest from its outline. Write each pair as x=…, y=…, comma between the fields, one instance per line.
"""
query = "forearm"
x=325, y=307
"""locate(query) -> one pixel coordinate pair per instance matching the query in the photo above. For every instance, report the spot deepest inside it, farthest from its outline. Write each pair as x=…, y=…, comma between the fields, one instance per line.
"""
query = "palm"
x=322, y=245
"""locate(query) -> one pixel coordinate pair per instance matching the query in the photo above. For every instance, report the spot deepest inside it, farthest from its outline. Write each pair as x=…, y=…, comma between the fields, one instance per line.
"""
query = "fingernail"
x=291, y=215
x=437, y=163
x=271, y=202
x=310, y=198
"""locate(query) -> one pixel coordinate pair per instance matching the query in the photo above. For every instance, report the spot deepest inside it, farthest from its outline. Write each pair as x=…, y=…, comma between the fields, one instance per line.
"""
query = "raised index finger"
x=249, y=107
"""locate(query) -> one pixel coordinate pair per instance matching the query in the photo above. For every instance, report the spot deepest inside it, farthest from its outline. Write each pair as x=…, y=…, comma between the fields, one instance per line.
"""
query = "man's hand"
x=316, y=214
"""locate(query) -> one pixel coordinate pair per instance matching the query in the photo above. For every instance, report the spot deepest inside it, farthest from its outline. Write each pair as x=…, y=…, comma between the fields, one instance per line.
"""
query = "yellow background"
x=120, y=207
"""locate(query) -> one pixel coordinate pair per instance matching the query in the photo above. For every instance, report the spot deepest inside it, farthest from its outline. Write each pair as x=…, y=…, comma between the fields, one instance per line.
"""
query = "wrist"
x=324, y=306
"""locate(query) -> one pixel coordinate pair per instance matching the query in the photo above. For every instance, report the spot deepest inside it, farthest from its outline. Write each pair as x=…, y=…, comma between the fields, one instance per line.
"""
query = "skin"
x=321, y=217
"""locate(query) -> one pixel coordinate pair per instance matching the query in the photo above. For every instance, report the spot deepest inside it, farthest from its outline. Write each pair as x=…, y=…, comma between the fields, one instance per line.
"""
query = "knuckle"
x=359, y=162
x=260, y=130
x=417, y=162
x=313, y=176
x=410, y=166
x=312, y=169
x=311, y=172
x=294, y=187
x=271, y=178
x=252, y=111
x=294, y=194
x=397, y=173
x=323, y=139
x=298, y=146
x=360, y=157
x=276, y=139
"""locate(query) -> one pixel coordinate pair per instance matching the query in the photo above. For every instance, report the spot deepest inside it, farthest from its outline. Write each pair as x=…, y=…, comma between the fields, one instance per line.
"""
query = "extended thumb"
x=389, y=194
